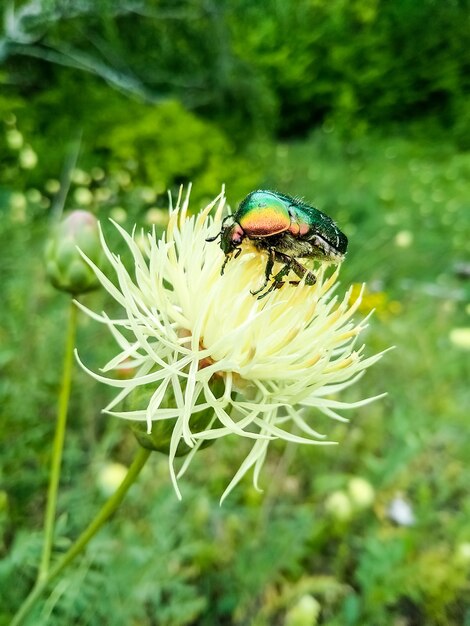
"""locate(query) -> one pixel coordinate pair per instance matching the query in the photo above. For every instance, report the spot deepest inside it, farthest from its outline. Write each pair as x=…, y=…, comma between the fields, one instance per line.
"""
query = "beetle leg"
x=299, y=269
x=310, y=278
x=226, y=260
x=267, y=271
x=228, y=257
x=277, y=279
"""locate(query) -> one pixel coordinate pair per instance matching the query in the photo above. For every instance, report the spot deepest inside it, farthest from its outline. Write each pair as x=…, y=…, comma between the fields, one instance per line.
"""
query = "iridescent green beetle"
x=287, y=229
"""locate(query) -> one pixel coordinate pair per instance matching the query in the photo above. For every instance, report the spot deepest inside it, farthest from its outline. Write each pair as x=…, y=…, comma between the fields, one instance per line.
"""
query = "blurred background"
x=361, y=107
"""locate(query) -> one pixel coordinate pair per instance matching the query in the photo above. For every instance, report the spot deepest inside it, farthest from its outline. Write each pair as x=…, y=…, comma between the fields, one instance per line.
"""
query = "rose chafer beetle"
x=286, y=229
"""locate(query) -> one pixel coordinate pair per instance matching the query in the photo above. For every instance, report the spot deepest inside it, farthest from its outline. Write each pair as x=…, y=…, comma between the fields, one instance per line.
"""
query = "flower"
x=401, y=512
x=205, y=346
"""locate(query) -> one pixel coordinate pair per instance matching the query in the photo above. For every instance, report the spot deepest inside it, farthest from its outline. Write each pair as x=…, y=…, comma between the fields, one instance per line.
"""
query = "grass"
x=403, y=206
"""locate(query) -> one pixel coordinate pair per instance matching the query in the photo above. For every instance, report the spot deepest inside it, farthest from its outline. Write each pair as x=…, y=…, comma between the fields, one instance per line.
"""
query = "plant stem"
x=104, y=514
x=58, y=445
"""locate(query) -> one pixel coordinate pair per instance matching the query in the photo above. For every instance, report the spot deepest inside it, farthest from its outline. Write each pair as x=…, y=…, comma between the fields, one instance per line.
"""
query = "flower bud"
x=110, y=477
x=83, y=196
x=28, y=159
x=404, y=239
x=460, y=337
x=52, y=186
x=361, y=492
x=339, y=505
x=162, y=430
x=14, y=139
x=65, y=267
x=160, y=438
x=463, y=552
x=305, y=613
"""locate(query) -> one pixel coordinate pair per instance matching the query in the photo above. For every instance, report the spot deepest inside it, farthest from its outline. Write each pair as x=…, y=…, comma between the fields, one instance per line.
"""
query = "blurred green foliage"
x=251, y=561
x=105, y=106
x=131, y=145
x=255, y=66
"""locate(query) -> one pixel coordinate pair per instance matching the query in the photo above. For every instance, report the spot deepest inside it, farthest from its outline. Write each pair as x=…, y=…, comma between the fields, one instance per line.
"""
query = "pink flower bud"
x=65, y=266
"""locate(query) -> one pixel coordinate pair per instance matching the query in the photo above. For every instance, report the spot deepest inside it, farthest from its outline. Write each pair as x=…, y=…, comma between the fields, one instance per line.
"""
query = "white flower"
x=401, y=512
x=261, y=367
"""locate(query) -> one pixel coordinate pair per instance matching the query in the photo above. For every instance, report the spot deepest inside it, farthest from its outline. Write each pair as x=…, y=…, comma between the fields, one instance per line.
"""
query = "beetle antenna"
x=215, y=236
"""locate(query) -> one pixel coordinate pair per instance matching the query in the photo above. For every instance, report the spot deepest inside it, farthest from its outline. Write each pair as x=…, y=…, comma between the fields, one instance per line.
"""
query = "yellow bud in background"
x=83, y=196
x=361, y=492
x=79, y=177
x=65, y=266
x=110, y=477
x=157, y=217
x=460, y=337
x=148, y=194
x=463, y=552
x=14, y=139
x=338, y=505
x=28, y=159
x=118, y=214
x=305, y=613
x=404, y=239
x=52, y=186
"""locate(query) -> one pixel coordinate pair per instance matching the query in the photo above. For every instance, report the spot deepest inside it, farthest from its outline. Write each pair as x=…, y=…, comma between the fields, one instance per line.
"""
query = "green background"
x=361, y=107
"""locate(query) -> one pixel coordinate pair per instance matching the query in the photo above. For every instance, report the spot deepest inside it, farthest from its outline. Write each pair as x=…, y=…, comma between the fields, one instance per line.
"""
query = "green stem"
x=104, y=514
x=58, y=444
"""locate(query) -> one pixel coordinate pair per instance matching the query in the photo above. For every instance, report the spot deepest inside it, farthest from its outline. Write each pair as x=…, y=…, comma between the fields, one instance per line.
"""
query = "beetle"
x=286, y=228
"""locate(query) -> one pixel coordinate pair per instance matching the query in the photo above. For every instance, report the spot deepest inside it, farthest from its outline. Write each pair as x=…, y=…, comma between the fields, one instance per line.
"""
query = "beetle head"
x=231, y=235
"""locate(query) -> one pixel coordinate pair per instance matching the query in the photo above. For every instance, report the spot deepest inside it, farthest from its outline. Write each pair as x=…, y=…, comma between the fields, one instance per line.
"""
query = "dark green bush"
x=368, y=60
x=253, y=66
